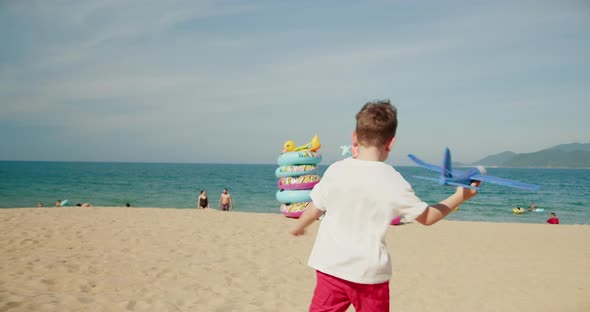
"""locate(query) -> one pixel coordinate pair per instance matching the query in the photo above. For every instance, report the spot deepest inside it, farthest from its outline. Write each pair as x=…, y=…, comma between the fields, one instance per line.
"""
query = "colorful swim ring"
x=293, y=171
x=303, y=182
x=299, y=158
x=288, y=197
x=293, y=210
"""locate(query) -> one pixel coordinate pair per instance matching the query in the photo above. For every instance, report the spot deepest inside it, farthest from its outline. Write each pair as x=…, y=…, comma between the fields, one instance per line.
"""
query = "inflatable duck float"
x=312, y=146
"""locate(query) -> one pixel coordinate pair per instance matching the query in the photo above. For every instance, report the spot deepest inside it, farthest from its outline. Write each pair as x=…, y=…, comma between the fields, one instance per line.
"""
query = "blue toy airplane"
x=452, y=177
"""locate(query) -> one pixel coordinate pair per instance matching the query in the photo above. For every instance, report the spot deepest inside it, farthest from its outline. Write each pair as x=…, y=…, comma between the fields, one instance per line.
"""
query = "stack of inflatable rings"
x=297, y=175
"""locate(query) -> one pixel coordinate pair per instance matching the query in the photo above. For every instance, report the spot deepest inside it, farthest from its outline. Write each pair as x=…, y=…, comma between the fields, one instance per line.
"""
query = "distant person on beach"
x=39, y=204
x=553, y=219
x=203, y=200
x=58, y=203
x=360, y=198
x=84, y=205
x=532, y=207
x=127, y=205
x=225, y=201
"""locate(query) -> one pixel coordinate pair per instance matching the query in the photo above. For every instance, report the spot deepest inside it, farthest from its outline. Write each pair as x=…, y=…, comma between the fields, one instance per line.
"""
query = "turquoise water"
x=253, y=187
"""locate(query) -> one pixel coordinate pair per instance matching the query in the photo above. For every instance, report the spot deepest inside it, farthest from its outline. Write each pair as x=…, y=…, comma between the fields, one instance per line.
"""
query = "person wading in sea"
x=225, y=201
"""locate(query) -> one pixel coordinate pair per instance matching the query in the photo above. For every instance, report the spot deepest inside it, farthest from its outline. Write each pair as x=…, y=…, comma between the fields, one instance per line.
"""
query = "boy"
x=360, y=198
x=553, y=219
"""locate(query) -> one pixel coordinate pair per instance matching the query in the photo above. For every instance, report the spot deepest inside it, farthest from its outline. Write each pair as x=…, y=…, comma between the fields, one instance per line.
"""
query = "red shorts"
x=333, y=294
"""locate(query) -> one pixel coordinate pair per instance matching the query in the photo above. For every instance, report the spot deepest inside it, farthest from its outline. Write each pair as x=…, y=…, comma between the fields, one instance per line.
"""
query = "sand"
x=134, y=259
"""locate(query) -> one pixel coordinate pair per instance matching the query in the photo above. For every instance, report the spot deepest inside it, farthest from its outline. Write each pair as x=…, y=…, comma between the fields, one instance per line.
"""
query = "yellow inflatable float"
x=518, y=210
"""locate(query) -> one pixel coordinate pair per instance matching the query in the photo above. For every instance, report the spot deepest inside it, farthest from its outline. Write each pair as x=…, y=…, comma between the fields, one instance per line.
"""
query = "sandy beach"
x=147, y=259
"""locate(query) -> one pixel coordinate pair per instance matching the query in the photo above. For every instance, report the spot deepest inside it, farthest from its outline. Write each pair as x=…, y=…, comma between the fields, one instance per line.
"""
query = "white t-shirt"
x=360, y=199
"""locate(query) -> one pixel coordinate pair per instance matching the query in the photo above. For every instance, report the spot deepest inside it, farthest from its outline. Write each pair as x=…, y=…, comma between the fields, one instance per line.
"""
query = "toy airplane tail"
x=447, y=172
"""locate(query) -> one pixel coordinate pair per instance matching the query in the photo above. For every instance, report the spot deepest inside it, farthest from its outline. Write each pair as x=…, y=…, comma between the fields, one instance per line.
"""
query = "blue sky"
x=230, y=81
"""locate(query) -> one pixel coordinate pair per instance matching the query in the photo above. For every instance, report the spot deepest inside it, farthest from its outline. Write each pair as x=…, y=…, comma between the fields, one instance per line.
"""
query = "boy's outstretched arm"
x=437, y=212
x=310, y=214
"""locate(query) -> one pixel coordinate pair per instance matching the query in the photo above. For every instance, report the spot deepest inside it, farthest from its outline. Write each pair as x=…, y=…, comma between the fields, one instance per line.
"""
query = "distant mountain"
x=496, y=159
x=551, y=158
x=574, y=155
x=572, y=147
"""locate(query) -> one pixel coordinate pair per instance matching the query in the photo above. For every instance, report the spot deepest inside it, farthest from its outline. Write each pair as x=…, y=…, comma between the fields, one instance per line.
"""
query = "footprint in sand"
x=86, y=288
x=131, y=305
x=72, y=268
x=92, y=269
x=10, y=305
x=26, y=242
x=85, y=300
x=48, y=282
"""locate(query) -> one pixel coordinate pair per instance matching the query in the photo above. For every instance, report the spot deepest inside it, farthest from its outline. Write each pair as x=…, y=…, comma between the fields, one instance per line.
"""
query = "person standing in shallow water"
x=553, y=219
x=203, y=201
x=532, y=207
x=225, y=201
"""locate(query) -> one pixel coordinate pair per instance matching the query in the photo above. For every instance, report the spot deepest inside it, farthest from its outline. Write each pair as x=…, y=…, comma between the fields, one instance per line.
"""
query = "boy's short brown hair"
x=376, y=123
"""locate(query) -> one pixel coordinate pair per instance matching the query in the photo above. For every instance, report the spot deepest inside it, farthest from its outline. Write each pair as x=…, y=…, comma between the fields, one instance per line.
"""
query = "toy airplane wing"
x=432, y=167
x=448, y=182
x=462, y=185
x=424, y=164
x=505, y=182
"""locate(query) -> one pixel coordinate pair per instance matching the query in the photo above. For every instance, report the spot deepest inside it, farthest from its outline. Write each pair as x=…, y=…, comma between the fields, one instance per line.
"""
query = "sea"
x=253, y=186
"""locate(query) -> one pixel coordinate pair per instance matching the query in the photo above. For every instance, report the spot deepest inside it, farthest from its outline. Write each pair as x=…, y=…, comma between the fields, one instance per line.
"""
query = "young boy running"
x=360, y=198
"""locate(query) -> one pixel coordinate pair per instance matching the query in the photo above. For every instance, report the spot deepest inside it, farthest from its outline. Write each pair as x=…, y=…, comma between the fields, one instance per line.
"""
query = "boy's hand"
x=437, y=212
x=297, y=231
x=310, y=214
x=467, y=193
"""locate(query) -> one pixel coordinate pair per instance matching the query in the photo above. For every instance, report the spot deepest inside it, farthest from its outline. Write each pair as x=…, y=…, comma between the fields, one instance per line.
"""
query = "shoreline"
x=268, y=164
x=275, y=213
